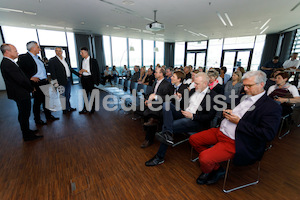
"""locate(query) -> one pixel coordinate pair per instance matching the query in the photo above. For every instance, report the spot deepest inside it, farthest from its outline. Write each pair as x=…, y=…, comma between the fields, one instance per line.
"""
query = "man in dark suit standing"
x=61, y=71
x=34, y=69
x=18, y=88
x=90, y=76
x=243, y=133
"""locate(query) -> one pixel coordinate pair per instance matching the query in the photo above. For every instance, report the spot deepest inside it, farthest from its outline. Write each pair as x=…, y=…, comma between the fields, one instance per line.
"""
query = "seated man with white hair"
x=242, y=135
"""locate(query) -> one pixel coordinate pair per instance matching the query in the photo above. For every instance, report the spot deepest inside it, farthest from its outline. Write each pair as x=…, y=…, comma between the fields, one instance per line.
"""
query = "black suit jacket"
x=95, y=71
x=255, y=129
x=18, y=86
x=219, y=89
x=206, y=111
x=164, y=88
x=183, y=90
x=27, y=64
x=58, y=70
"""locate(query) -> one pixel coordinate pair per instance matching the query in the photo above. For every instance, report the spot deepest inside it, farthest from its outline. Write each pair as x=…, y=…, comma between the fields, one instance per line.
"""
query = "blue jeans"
x=175, y=122
x=67, y=93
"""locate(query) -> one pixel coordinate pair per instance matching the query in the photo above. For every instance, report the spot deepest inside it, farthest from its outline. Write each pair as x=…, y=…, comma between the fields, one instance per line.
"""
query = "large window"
x=257, y=53
x=148, y=52
x=179, y=54
x=135, y=52
x=214, y=53
x=159, y=53
x=119, y=51
x=239, y=42
x=19, y=37
x=296, y=46
x=197, y=45
x=107, y=50
x=52, y=38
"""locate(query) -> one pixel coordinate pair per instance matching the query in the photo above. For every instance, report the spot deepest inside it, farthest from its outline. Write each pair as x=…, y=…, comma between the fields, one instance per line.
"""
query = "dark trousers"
x=67, y=93
x=88, y=86
x=24, y=108
x=175, y=122
x=39, y=98
x=109, y=77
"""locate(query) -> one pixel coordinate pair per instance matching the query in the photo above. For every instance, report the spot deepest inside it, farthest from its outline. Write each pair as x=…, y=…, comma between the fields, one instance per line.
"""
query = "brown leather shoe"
x=146, y=143
x=151, y=122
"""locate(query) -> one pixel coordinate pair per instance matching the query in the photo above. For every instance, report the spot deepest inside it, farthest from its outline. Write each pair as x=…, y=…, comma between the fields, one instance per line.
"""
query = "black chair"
x=286, y=119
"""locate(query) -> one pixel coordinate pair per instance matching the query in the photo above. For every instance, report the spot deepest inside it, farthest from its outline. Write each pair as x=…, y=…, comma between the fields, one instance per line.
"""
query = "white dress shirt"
x=11, y=60
x=227, y=127
x=291, y=63
x=291, y=88
x=195, y=101
x=65, y=64
x=86, y=66
x=157, y=85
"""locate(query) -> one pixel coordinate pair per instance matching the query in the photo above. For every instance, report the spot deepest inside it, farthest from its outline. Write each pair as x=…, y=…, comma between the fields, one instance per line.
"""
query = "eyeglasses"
x=249, y=86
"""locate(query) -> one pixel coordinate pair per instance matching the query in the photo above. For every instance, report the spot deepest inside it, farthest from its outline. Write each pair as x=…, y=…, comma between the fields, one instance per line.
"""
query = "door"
x=235, y=58
x=196, y=58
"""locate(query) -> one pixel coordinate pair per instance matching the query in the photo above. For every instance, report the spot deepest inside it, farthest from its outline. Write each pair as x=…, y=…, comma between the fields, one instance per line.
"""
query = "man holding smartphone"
x=243, y=133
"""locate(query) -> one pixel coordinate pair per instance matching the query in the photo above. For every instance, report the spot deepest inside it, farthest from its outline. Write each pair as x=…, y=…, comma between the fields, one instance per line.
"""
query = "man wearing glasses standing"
x=34, y=69
x=243, y=133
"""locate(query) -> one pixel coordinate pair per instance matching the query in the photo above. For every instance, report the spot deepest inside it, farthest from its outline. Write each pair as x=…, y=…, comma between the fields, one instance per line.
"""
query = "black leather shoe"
x=146, y=144
x=83, y=112
x=215, y=176
x=31, y=137
x=202, y=179
x=65, y=111
x=72, y=109
x=52, y=118
x=40, y=122
x=33, y=131
x=165, y=137
x=154, y=161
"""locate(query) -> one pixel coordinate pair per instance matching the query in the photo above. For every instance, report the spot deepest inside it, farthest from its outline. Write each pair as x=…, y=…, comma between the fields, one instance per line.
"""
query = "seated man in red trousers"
x=243, y=133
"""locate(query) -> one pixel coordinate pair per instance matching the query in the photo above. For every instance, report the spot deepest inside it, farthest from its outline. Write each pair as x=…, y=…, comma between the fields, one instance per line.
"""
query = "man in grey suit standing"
x=18, y=88
x=61, y=71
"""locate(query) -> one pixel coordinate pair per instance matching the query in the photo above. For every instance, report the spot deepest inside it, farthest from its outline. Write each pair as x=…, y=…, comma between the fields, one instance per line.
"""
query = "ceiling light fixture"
x=227, y=17
x=265, y=24
x=221, y=18
x=295, y=6
x=29, y=13
x=264, y=30
x=202, y=35
x=10, y=10
x=50, y=26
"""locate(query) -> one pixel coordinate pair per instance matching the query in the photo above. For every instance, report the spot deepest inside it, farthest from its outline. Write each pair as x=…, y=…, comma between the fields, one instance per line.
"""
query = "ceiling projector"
x=155, y=26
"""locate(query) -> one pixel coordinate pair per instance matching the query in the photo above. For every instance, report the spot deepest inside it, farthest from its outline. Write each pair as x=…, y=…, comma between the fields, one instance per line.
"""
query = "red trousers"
x=210, y=157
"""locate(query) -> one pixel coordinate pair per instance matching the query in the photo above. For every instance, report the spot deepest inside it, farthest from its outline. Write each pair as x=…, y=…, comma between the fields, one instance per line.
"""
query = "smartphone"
x=227, y=112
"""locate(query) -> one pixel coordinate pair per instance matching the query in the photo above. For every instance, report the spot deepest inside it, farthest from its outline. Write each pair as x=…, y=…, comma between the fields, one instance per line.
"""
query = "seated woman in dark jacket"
x=214, y=83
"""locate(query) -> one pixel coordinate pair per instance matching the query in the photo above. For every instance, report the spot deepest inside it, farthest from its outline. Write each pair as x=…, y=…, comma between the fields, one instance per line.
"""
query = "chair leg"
x=285, y=119
x=193, y=159
x=180, y=142
x=242, y=186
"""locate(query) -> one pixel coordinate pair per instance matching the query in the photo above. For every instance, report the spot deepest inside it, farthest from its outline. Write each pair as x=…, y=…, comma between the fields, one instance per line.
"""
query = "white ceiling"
x=118, y=17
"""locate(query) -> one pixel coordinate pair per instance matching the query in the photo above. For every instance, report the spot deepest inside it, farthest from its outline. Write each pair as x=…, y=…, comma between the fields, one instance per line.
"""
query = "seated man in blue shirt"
x=269, y=67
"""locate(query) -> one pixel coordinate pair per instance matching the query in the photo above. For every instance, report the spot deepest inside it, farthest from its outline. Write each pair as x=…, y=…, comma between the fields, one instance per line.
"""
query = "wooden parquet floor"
x=101, y=153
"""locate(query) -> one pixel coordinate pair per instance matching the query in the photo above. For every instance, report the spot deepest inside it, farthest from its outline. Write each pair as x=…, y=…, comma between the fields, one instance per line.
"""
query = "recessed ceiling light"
x=116, y=28
x=264, y=30
x=107, y=25
x=82, y=23
x=221, y=18
x=265, y=24
x=227, y=17
x=128, y=2
x=179, y=25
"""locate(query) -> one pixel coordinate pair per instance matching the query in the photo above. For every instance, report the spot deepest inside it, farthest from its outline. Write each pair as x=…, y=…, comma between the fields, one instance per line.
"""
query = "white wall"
x=2, y=85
